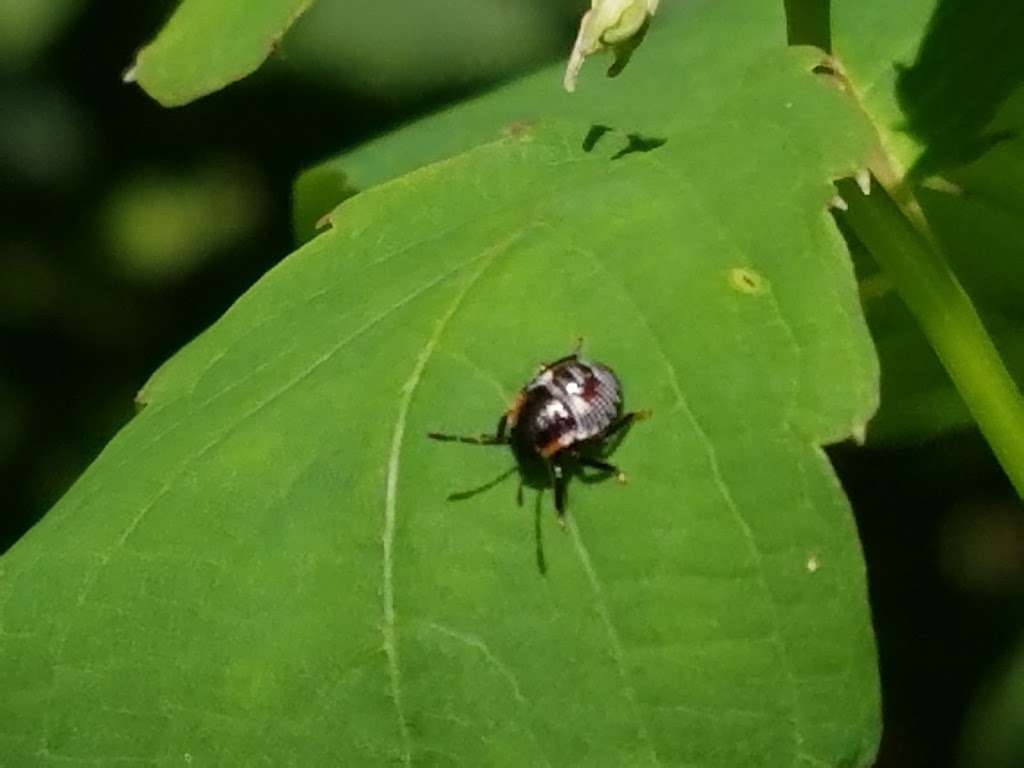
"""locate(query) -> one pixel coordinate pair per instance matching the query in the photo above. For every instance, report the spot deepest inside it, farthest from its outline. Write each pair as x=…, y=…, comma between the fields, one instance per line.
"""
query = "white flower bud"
x=609, y=24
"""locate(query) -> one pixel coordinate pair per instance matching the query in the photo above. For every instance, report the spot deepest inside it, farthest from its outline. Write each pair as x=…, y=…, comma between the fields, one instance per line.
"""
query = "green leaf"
x=27, y=27
x=994, y=730
x=264, y=566
x=398, y=50
x=962, y=167
x=159, y=227
x=208, y=44
x=512, y=108
x=906, y=63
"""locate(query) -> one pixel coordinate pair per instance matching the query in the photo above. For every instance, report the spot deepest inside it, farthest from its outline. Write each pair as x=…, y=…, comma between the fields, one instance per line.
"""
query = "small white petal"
x=609, y=24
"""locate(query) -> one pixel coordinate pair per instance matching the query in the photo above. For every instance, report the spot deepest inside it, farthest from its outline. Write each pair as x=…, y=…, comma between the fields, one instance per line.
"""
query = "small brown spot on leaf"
x=517, y=128
x=746, y=280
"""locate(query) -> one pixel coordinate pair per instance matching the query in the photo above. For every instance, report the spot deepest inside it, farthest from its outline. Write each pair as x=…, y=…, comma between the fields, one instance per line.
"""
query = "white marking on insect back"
x=554, y=411
x=581, y=399
x=594, y=411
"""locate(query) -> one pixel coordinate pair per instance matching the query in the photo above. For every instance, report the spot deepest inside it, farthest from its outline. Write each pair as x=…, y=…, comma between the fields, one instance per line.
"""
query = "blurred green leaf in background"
x=158, y=227
x=27, y=27
x=207, y=44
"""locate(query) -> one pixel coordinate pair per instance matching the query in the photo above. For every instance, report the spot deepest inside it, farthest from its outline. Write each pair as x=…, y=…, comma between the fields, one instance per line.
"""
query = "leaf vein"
x=391, y=493
x=720, y=482
x=474, y=641
x=613, y=637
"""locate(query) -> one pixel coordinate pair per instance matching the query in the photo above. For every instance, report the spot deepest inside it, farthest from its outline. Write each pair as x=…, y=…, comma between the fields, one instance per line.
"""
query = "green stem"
x=945, y=313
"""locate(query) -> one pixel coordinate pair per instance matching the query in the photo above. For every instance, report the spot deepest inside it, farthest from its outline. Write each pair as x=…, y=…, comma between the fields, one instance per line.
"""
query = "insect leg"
x=559, y=361
x=571, y=356
x=589, y=461
x=604, y=466
x=558, y=481
x=624, y=421
x=469, y=494
x=500, y=436
x=472, y=439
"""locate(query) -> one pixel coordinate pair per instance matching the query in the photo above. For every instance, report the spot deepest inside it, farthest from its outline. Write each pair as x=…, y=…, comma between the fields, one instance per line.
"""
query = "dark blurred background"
x=126, y=229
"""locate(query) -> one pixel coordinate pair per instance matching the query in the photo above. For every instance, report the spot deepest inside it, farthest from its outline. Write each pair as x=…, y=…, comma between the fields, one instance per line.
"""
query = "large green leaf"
x=264, y=566
x=208, y=44
x=705, y=75
x=943, y=84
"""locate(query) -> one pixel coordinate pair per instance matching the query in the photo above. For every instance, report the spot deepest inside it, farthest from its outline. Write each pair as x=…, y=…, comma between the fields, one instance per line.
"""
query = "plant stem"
x=949, y=320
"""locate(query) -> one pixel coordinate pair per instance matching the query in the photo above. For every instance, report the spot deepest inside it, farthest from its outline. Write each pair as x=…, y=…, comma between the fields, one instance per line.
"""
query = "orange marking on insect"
x=551, y=448
x=513, y=410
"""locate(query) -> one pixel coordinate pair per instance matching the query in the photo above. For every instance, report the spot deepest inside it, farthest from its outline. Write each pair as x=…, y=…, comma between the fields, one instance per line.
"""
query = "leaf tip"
x=863, y=179
x=942, y=184
x=141, y=400
x=838, y=203
x=324, y=222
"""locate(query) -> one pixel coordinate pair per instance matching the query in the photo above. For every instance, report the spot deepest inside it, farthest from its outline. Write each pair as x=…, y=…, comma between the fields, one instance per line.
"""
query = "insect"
x=561, y=417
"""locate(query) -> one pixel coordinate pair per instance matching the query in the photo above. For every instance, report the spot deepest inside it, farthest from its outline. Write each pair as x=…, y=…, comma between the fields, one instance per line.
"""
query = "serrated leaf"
x=208, y=44
x=634, y=101
x=264, y=566
x=942, y=84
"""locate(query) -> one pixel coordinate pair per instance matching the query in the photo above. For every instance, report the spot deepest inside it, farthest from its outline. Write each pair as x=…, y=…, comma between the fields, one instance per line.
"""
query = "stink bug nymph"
x=561, y=417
